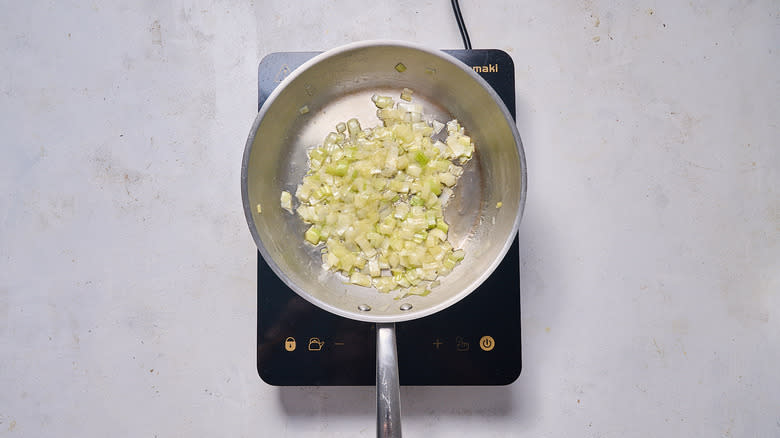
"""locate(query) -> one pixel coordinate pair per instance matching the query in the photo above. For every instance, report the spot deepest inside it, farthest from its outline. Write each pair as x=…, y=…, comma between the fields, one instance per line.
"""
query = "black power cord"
x=461, y=24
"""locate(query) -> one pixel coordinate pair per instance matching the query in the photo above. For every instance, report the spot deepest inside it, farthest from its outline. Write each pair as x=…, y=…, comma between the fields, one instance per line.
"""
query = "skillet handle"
x=388, y=395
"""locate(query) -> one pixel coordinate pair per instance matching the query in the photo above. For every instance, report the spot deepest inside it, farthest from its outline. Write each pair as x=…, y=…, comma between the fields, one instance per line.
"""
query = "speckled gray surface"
x=650, y=259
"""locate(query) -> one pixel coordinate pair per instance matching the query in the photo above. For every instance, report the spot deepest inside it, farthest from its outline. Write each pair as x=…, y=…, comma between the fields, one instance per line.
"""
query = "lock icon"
x=289, y=343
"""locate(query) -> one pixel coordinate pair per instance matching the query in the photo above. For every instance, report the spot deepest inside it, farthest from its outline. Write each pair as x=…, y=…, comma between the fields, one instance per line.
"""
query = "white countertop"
x=649, y=247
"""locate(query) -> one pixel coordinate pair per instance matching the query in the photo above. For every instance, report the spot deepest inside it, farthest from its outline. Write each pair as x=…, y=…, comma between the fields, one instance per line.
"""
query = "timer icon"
x=487, y=343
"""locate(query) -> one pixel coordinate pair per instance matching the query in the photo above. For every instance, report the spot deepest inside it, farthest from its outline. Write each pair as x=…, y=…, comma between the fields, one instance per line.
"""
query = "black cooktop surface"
x=474, y=342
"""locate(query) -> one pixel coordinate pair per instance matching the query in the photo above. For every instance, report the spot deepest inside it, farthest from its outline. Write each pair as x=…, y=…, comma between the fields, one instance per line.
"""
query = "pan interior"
x=335, y=87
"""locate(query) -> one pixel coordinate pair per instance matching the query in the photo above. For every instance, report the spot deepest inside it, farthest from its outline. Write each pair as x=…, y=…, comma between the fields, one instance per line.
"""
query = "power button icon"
x=487, y=343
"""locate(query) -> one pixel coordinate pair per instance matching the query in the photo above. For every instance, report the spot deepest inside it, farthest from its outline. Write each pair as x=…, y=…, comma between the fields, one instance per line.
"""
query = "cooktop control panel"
x=474, y=342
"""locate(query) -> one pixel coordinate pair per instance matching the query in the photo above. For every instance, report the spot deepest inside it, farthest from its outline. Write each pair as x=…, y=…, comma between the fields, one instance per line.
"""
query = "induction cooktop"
x=474, y=342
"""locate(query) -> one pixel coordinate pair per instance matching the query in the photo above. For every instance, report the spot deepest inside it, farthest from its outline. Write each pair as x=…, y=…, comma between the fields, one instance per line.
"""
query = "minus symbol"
x=338, y=343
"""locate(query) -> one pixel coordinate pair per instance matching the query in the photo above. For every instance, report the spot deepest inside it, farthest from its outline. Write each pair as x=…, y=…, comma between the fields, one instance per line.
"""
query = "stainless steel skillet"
x=335, y=86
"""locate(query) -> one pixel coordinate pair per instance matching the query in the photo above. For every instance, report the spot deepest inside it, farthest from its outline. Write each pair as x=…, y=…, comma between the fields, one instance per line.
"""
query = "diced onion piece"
x=360, y=279
x=364, y=245
x=382, y=101
x=406, y=94
x=312, y=235
x=438, y=233
x=385, y=284
x=353, y=126
x=446, y=195
x=304, y=109
x=373, y=268
x=286, y=201
x=259, y=209
x=410, y=107
x=414, y=170
x=448, y=179
x=331, y=260
x=418, y=290
x=437, y=126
